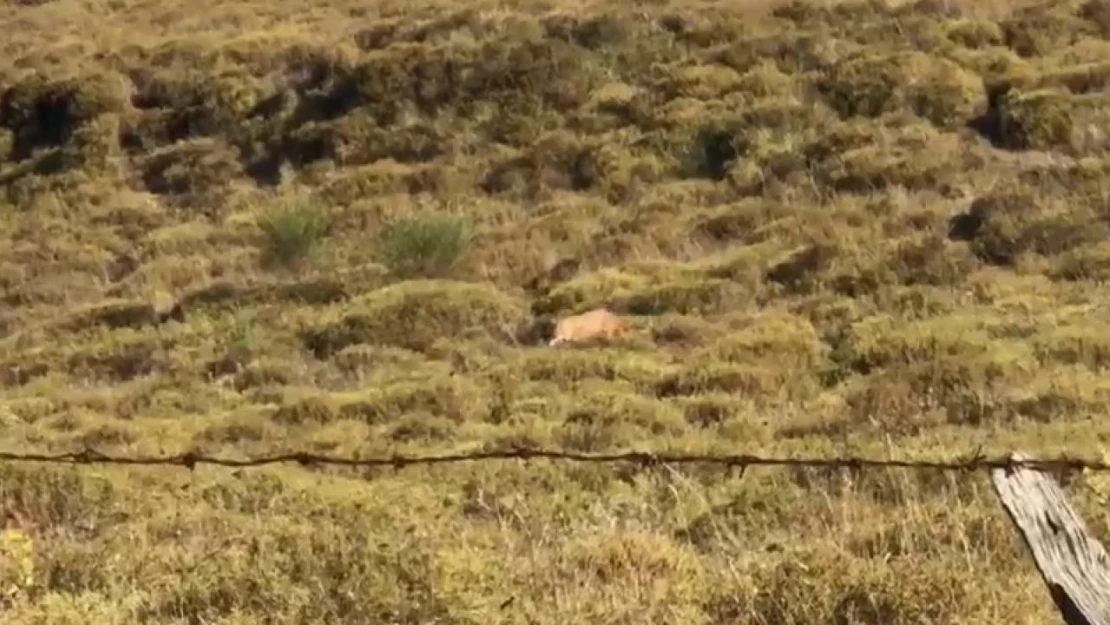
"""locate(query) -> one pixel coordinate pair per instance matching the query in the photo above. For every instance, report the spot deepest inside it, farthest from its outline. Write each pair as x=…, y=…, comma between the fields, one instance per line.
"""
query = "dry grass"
x=840, y=228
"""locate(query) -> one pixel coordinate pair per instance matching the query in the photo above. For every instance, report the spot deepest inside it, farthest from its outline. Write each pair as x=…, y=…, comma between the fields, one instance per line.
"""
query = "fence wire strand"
x=971, y=462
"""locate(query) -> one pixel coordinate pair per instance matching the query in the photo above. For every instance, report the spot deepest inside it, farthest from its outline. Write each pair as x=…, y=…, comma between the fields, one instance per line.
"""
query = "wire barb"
x=189, y=460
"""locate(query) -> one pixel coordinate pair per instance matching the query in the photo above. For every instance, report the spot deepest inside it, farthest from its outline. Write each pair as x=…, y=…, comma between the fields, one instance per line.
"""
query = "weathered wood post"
x=1074, y=565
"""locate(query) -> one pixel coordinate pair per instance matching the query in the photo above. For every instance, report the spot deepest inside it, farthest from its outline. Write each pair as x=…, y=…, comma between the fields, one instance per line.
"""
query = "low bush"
x=1053, y=118
x=293, y=228
x=936, y=89
x=415, y=314
x=425, y=246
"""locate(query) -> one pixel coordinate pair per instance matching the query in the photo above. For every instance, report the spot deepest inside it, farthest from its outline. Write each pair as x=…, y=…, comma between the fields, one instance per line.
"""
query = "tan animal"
x=588, y=325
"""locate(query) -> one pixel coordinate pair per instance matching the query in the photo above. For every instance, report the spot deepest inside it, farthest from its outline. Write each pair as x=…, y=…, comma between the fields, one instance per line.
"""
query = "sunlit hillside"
x=341, y=227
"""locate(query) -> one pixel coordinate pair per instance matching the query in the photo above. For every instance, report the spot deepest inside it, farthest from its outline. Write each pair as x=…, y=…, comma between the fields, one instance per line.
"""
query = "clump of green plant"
x=425, y=246
x=1051, y=119
x=872, y=85
x=415, y=314
x=292, y=230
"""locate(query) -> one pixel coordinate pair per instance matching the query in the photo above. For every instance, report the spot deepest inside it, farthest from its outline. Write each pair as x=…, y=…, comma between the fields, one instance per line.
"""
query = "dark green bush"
x=872, y=85
x=1052, y=118
x=292, y=229
x=425, y=246
x=416, y=314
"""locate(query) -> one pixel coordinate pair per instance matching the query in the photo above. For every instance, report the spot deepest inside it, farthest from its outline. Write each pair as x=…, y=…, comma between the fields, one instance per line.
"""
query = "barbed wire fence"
x=1072, y=563
x=974, y=461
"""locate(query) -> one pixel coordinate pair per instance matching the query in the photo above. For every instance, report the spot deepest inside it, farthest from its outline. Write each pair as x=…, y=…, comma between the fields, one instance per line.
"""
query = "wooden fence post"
x=1073, y=564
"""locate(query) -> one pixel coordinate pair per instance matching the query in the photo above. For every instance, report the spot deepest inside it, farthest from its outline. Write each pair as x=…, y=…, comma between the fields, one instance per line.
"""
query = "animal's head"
x=536, y=331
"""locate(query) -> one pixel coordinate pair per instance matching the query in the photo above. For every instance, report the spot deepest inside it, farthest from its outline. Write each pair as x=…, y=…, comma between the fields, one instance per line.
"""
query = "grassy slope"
x=771, y=196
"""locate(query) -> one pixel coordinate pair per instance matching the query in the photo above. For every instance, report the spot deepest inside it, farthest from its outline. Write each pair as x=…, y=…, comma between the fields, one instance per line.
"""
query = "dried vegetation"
x=347, y=227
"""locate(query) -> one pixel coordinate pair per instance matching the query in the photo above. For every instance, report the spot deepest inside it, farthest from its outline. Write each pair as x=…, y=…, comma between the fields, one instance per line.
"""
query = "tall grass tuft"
x=425, y=246
x=292, y=229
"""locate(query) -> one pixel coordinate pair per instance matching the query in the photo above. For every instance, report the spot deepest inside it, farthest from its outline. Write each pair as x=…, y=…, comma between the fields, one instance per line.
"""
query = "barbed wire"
x=971, y=462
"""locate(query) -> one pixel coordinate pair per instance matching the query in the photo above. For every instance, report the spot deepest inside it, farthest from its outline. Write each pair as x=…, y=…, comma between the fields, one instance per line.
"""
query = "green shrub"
x=426, y=246
x=647, y=291
x=197, y=173
x=975, y=33
x=935, y=89
x=449, y=399
x=1036, y=33
x=1015, y=222
x=415, y=314
x=45, y=113
x=1098, y=13
x=742, y=379
x=898, y=158
x=292, y=229
x=1052, y=118
x=1084, y=263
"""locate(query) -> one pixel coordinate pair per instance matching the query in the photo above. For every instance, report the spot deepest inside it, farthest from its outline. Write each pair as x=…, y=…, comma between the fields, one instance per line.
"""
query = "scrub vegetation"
x=875, y=228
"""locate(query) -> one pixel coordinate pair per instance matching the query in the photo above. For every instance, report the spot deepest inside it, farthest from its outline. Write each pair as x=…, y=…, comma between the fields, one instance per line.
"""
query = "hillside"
x=346, y=227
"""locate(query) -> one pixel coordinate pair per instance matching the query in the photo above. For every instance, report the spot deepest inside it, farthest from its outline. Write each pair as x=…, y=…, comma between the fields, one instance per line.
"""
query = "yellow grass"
x=838, y=228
